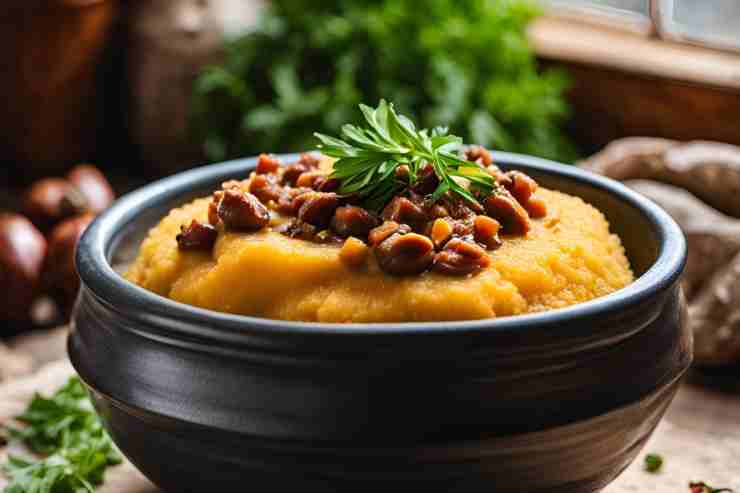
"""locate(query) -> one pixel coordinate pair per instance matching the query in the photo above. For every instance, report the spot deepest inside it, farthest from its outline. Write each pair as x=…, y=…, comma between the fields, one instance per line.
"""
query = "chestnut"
x=317, y=208
x=241, y=211
x=521, y=186
x=264, y=188
x=50, y=200
x=403, y=210
x=405, y=254
x=479, y=154
x=196, y=236
x=460, y=258
x=93, y=186
x=513, y=218
x=267, y=164
x=379, y=234
x=22, y=252
x=350, y=220
x=60, y=275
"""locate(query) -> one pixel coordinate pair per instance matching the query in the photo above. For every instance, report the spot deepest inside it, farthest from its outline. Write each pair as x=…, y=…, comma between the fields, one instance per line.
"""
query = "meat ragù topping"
x=197, y=236
x=419, y=203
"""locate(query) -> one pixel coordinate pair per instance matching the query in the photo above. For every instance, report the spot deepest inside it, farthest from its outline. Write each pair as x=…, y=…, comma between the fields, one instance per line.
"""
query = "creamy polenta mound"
x=567, y=257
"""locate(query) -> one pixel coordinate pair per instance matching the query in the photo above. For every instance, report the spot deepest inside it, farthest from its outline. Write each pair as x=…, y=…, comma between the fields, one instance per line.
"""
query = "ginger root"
x=713, y=238
x=693, y=182
x=709, y=170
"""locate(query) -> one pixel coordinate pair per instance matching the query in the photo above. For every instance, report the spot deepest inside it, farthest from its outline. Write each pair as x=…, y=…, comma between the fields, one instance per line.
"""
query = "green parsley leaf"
x=65, y=429
x=653, y=463
x=368, y=157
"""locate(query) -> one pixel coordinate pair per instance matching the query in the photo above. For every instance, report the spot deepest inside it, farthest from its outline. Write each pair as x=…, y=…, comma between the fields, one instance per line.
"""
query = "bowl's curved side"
x=223, y=421
x=580, y=458
x=195, y=397
x=492, y=383
x=458, y=442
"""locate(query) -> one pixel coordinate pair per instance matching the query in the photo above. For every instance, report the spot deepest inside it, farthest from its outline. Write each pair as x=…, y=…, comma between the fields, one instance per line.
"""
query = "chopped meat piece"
x=486, y=232
x=405, y=254
x=536, y=207
x=509, y=212
x=311, y=179
x=350, y=220
x=441, y=232
x=522, y=186
x=242, y=211
x=196, y=236
x=317, y=208
x=297, y=229
x=379, y=234
x=460, y=258
x=403, y=210
x=427, y=181
x=267, y=164
x=264, y=188
x=354, y=252
x=479, y=154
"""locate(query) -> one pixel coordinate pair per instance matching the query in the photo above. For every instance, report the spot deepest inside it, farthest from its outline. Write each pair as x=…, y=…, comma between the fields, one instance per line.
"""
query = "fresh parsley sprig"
x=367, y=158
x=67, y=431
x=653, y=463
x=50, y=421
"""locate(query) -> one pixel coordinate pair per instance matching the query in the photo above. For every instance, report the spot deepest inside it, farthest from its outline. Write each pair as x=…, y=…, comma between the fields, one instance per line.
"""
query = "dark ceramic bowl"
x=555, y=401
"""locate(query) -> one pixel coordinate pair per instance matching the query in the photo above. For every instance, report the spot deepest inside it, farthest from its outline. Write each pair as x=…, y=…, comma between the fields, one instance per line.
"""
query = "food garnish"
x=65, y=429
x=417, y=199
x=368, y=158
x=653, y=462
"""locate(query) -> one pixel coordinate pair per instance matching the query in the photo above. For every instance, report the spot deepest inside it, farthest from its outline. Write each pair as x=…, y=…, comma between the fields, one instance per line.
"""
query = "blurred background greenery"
x=465, y=64
x=146, y=89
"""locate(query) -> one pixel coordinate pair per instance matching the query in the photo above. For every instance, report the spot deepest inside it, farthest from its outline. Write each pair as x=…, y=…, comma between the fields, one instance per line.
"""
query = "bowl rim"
x=112, y=289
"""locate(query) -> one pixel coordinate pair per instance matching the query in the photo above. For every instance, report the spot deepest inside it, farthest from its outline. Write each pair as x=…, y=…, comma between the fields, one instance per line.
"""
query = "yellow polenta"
x=568, y=257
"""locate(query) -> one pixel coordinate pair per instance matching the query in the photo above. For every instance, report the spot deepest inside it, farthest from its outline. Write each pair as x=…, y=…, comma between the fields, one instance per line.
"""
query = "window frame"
x=650, y=24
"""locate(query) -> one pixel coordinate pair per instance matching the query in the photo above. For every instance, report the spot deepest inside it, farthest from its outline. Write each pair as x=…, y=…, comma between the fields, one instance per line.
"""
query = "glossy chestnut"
x=22, y=251
x=60, y=276
x=93, y=186
x=49, y=200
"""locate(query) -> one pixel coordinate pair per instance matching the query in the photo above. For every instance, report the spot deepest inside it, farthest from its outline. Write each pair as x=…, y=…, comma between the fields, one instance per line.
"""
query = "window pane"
x=617, y=6
x=632, y=15
x=714, y=22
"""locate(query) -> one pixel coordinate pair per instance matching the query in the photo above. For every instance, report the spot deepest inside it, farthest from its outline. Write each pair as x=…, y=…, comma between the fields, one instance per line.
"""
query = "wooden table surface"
x=699, y=438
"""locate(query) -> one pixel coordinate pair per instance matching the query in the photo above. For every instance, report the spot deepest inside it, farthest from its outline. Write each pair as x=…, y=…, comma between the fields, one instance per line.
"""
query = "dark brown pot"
x=50, y=50
x=560, y=401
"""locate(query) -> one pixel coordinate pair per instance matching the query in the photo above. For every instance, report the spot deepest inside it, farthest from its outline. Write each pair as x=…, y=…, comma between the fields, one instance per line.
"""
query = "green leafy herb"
x=653, y=462
x=66, y=430
x=464, y=64
x=368, y=158
x=701, y=487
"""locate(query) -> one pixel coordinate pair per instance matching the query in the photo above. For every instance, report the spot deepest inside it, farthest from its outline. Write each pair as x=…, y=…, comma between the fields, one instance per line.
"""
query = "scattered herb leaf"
x=653, y=462
x=368, y=157
x=67, y=431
